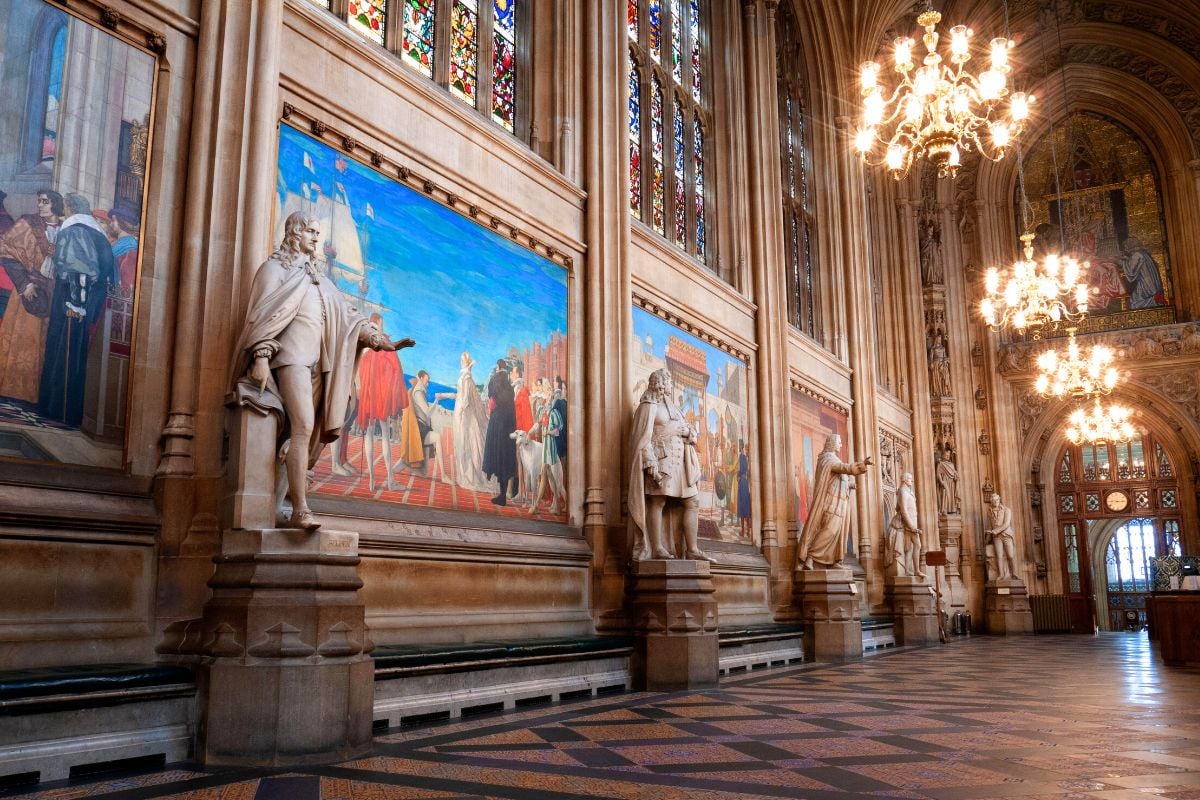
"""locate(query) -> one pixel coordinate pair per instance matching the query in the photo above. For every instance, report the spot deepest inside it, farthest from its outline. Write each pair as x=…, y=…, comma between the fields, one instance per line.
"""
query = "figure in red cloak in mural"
x=381, y=400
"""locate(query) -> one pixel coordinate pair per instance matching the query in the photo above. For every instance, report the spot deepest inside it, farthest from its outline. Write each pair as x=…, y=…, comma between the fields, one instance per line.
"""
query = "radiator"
x=1051, y=613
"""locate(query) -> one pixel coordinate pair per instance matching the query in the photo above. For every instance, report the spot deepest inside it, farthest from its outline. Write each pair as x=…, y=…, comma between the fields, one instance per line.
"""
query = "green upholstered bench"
x=33, y=691
x=394, y=661
x=747, y=634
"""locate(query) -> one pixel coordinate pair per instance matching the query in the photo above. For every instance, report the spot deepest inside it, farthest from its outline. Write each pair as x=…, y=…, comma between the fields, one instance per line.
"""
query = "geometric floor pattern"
x=1040, y=718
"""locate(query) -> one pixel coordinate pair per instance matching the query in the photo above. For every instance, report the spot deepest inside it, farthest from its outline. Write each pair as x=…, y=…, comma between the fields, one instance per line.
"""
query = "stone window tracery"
x=668, y=116
x=473, y=48
x=796, y=164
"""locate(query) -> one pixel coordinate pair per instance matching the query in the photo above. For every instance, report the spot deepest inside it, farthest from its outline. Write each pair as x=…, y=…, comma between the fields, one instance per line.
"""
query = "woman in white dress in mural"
x=470, y=424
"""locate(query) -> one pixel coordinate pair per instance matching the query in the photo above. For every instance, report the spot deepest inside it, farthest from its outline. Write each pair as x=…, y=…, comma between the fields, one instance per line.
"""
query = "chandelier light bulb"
x=999, y=53
x=935, y=108
x=864, y=140
x=869, y=75
x=1018, y=106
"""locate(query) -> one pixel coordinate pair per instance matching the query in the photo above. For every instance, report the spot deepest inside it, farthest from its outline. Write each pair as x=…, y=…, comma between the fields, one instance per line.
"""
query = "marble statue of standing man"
x=301, y=342
x=999, y=533
x=665, y=469
x=823, y=539
x=905, y=548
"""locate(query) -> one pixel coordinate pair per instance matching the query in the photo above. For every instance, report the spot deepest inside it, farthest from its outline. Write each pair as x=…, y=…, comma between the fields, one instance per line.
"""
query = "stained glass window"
x=367, y=17
x=698, y=155
x=1071, y=550
x=416, y=37
x=655, y=29
x=665, y=60
x=464, y=49
x=676, y=41
x=504, y=59
x=657, y=189
x=635, y=142
x=681, y=229
x=471, y=47
x=794, y=149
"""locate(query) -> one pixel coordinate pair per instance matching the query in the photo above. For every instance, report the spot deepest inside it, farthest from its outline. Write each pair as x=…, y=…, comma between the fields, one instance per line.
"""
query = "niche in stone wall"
x=74, y=160
x=474, y=417
x=1094, y=194
x=711, y=389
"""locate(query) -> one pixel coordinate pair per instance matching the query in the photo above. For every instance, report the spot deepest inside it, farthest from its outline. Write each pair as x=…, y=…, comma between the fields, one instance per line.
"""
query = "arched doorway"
x=1117, y=505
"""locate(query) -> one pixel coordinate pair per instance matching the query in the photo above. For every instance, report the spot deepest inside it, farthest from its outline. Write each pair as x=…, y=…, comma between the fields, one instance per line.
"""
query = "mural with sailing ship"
x=712, y=392
x=475, y=417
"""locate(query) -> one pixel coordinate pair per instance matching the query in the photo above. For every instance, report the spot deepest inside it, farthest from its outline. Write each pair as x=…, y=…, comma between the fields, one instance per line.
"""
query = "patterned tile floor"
x=1040, y=718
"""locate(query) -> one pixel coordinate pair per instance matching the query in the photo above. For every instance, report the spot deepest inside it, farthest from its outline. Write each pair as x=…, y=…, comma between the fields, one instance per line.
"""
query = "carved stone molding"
x=820, y=398
x=1182, y=387
x=1146, y=347
x=1030, y=406
x=893, y=460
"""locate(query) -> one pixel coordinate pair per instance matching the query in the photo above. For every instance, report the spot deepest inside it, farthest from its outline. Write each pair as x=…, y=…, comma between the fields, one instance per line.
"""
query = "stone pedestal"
x=829, y=604
x=675, y=622
x=1007, y=607
x=914, y=610
x=284, y=673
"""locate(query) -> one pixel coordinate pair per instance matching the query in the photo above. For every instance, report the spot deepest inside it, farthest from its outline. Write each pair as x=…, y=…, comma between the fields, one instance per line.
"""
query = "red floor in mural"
x=413, y=488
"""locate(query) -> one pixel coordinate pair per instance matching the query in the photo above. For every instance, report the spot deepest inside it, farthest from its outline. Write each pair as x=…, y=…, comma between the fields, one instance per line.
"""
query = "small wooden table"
x=1175, y=623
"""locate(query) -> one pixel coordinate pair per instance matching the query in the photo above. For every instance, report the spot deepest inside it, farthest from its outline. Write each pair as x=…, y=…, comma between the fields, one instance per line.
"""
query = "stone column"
x=225, y=234
x=675, y=622
x=914, y=608
x=769, y=286
x=829, y=605
x=1006, y=604
x=608, y=315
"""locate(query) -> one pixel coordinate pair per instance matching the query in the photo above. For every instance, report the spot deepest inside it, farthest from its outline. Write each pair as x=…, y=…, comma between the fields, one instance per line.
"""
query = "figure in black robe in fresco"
x=499, y=450
x=83, y=269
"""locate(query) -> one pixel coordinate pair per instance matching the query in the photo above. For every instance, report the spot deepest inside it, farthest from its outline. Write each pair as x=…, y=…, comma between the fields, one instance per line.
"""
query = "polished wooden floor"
x=1032, y=717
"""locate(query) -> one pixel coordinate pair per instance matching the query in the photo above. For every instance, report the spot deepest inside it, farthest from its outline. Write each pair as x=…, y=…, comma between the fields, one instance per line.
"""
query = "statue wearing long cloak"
x=823, y=539
x=276, y=297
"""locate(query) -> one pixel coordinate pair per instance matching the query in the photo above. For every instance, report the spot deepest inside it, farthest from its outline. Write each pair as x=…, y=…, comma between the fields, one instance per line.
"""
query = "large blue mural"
x=475, y=416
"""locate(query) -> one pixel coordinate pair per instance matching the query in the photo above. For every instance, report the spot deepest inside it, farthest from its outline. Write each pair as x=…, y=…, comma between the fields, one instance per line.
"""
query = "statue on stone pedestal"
x=823, y=540
x=930, y=238
x=665, y=470
x=905, y=548
x=999, y=539
x=300, y=343
x=948, y=499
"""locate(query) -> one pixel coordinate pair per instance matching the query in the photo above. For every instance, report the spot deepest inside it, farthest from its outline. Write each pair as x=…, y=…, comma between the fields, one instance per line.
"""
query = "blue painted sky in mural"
x=646, y=324
x=442, y=279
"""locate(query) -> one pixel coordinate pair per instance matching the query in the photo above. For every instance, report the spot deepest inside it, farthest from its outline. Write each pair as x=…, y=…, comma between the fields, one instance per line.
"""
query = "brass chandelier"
x=1036, y=295
x=939, y=110
x=1073, y=374
x=1100, y=424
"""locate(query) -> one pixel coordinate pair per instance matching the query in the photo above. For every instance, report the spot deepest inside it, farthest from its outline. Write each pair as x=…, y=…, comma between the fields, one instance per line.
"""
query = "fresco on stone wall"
x=475, y=417
x=1106, y=207
x=74, y=147
x=811, y=423
x=711, y=389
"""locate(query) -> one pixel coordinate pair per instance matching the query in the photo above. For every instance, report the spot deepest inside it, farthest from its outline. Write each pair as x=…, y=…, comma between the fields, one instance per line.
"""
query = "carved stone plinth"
x=1006, y=604
x=675, y=622
x=914, y=610
x=829, y=604
x=284, y=673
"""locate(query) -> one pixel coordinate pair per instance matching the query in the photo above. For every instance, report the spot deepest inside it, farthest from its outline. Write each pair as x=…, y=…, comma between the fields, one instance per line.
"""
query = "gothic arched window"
x=474, y=48
x=796, y=162
x=668, y=113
